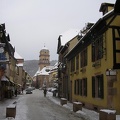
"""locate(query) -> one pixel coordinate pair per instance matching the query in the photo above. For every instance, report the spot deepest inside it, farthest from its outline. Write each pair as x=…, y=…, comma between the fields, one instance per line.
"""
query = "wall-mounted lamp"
x=111, y=72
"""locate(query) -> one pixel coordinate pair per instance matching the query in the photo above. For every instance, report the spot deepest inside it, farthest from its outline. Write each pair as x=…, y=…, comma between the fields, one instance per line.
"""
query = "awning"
x=4, y=78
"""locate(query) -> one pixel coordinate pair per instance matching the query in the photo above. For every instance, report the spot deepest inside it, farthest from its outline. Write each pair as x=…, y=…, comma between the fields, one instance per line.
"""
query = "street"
x=37, y=107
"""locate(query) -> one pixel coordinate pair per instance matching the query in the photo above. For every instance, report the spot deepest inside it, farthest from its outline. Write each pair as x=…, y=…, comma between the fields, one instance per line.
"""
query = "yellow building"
x=95, y=63
x=66, y=42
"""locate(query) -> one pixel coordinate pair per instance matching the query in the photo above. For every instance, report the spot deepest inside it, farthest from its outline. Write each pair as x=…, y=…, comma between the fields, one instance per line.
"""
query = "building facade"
x=95, y=63
x=66, y=41
x=10, y=75
x=44, y=58
x=41, y=77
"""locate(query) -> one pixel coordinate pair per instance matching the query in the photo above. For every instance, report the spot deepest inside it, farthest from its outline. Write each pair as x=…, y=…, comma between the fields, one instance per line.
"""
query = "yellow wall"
x=72, y=43
x=106, y=63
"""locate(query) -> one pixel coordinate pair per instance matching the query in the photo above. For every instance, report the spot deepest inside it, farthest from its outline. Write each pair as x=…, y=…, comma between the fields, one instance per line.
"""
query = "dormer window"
x=106, y=7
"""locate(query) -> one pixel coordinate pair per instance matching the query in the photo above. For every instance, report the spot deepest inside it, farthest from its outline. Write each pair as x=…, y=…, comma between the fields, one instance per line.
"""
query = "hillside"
x=31, y=66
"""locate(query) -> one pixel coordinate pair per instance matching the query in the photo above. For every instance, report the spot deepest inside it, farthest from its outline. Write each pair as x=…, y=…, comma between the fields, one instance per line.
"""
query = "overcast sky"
x=33, y=23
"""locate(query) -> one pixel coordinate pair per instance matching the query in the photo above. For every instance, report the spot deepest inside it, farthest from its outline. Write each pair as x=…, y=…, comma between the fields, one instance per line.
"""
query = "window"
x=77, y=62
x=97, y=48
x=97, y=86
x=73, y=65
x=75, y=88
x=83, y=56
x=82, y=87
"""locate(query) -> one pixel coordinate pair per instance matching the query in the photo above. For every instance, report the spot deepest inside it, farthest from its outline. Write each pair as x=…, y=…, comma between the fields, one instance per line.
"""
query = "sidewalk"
x=4, y=103
x=86, y=114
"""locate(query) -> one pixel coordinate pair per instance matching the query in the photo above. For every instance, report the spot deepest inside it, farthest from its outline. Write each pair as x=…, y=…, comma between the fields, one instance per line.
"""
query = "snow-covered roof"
x=19, y=64
x=37, y=72
x=43, y=72
x=55, y=66
x=17, y=56
x=49, y=67
x=68, y=35
x=4, y=78
x=44, y=48
x=99, y=20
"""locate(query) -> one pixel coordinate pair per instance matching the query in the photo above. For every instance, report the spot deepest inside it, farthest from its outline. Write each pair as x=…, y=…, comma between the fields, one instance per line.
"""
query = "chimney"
x=106, y=7
x=117, y=7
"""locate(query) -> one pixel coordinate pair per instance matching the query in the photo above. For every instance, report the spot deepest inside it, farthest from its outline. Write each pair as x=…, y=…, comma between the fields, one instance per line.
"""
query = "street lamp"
x=111, y=72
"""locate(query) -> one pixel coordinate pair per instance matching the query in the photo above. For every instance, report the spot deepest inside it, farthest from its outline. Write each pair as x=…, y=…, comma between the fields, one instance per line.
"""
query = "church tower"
x=44, y=58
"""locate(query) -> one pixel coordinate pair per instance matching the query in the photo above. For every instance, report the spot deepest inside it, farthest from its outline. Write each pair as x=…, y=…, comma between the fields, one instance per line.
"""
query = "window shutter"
x=101, y=86
x=80, y=84
x=93, y=86
x=75, y=87
x=85, y=87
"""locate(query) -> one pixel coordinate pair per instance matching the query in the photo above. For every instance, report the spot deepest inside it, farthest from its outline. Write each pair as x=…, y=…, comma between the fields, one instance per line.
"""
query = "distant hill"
x=31, y=66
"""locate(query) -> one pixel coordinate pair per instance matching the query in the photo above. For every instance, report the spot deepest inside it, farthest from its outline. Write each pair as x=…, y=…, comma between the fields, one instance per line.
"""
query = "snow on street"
x=37, y=107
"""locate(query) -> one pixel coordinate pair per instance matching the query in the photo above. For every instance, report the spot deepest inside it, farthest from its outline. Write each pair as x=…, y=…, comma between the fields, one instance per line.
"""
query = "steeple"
x=44, y=57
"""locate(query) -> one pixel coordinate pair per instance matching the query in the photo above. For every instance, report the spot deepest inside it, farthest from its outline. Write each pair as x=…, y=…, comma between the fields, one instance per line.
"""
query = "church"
x=41, y=77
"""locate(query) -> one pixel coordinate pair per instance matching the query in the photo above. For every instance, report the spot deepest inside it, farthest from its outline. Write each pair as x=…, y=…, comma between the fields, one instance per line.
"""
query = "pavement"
x=86, y=114
x=4, y=103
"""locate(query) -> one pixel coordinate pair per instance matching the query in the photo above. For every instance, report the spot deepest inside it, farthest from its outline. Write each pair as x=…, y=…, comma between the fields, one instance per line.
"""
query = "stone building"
x=44, y=58
x=41, y=77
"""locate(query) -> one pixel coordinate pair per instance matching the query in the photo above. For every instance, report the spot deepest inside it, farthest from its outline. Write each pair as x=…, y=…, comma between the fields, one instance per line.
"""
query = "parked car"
x=29, y=90
x=54, y=90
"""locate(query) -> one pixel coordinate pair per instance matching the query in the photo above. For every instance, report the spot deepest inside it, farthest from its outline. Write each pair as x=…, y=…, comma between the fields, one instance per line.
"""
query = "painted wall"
x=105, y=63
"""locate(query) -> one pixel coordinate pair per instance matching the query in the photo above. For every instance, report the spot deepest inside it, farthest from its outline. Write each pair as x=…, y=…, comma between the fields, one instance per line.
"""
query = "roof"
x=55, y=67
x=44, y=48
x=68, y=35
x=105, y=4
x=97, y=24
x=37, y=72
x=17, y=56
x=44, y=71
x=4, y=78
x=20, y=64
x=117, y=7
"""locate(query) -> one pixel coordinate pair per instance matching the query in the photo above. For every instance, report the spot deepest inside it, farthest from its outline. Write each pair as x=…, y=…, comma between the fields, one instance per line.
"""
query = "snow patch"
x=108, y=111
